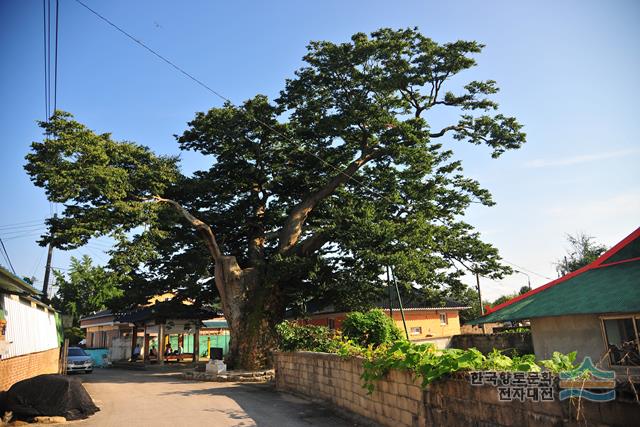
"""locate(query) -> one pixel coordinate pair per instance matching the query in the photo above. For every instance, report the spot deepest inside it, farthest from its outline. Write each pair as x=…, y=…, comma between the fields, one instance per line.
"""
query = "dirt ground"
x=146, y=398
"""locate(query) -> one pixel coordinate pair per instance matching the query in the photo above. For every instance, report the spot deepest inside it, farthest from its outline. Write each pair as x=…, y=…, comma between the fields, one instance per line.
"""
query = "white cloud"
x=610, y=208
x=584, y=158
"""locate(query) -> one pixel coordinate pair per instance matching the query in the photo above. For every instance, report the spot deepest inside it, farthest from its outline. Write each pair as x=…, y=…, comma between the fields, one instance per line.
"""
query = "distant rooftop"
x=610, y=284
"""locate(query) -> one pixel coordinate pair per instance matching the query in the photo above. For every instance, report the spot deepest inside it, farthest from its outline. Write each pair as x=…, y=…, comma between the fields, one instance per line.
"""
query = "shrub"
x=294, y=337
x=370, y=328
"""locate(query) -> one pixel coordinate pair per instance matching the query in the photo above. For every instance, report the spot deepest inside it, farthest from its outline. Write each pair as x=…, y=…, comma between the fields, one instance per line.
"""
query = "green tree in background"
x=582, y=250
x=308, y=195
x=84, y=289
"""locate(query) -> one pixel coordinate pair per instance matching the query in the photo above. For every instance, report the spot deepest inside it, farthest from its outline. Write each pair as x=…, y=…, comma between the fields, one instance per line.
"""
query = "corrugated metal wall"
x=29, y=329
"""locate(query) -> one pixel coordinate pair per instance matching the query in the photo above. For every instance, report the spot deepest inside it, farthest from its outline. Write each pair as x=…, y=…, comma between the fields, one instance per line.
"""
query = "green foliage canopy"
x=86, y=288
x=388, y=190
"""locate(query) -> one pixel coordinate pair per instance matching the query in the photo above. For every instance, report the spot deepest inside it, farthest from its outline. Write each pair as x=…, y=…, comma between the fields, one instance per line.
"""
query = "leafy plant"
x=370, y=328
x=560, y=362
x=295, y=337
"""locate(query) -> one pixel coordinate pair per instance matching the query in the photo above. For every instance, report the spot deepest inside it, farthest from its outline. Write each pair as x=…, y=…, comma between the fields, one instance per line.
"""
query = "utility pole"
x=390, y=294
x=479, y=294
x=47, y=270
x=404, y=322
x=480, y=298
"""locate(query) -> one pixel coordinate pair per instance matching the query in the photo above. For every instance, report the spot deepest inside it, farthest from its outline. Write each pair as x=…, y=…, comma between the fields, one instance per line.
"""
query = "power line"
x=7, y=255
x=219, y=95
x=21, y=232
x=181, y=70
x=20, y=223
x=55, y=69
x=45, y=32
x=38, y=262
x=22, y=236
x=526, y=269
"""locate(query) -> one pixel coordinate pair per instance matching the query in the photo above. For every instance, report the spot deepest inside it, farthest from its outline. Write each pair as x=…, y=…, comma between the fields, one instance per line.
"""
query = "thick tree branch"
x=290, y=233
x=202, y=228
x=311, y=244
x=257, y=235
x=444, y=130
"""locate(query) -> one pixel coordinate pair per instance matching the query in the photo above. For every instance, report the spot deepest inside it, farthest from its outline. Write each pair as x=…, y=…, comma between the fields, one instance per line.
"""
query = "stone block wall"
x=520, y=342
x=396, y=402
x=18, y=368
x=399, y=401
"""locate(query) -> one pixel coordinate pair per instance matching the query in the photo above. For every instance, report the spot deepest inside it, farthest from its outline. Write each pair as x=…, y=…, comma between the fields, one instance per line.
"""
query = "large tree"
x=309, y=195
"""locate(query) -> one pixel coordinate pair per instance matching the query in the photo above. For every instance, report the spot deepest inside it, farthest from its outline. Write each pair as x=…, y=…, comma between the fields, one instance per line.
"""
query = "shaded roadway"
x=148, y=398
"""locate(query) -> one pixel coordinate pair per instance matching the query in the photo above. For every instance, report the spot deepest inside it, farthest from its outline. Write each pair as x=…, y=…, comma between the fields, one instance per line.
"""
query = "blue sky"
x=568, y=70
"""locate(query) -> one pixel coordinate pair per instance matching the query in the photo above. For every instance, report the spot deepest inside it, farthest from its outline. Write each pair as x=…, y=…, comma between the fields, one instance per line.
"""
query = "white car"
x=79, y=361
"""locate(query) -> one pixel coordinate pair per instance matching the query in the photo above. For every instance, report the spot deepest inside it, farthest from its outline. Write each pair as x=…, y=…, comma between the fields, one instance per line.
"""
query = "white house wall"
x=29, y=329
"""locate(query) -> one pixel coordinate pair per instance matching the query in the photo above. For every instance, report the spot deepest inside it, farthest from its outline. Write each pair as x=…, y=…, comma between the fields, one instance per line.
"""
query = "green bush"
x=370, y=328
x=295, y=337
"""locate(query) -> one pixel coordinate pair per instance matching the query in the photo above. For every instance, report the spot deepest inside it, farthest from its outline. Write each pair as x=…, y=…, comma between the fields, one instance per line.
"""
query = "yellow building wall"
x=429, y=323
x=427, y=320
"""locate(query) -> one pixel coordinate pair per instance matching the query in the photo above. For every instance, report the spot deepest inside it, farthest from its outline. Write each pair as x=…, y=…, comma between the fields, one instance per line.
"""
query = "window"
x=622, y=340
x=443, y=319
x=416, y=330
x=331, y=323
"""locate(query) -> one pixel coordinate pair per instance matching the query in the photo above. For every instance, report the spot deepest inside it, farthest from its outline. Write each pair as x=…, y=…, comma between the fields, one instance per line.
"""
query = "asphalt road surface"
x=147, y=398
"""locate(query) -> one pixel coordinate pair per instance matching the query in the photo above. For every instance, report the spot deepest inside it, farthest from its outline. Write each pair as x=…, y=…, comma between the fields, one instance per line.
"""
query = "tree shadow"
x=267, y=407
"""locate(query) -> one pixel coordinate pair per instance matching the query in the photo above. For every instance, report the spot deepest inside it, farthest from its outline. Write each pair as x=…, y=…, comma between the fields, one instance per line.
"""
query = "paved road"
x=145, y=398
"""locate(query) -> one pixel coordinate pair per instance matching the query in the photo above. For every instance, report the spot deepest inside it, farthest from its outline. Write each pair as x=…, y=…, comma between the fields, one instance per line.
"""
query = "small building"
x=179, y=324
x=594, y=310
x=101, y=328
x=425, y=323
x=29, y=332
x=110, y=336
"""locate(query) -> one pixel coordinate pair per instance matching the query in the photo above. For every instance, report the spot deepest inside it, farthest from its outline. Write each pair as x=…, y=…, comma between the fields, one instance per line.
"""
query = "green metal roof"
x=222, y=324
x=12, y=283
x=611, y=284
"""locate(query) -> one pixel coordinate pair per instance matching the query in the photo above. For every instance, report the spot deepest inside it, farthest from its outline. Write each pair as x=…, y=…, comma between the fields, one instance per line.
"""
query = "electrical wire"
x=526, y=269
x=55, y=69
x=7, y=256
x=22, y=232
x=21, y=227
x=37, y=265
x=257, y=120
x=45, y=32
x=224, y=98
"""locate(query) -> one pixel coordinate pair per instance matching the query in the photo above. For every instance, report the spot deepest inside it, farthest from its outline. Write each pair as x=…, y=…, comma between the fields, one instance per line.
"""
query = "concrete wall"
x=20, y=368
x=581, y=333
x=519, y=342
x=399, y=401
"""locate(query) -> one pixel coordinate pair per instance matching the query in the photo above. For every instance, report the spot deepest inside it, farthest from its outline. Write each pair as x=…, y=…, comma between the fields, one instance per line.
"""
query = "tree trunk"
x=252, y=308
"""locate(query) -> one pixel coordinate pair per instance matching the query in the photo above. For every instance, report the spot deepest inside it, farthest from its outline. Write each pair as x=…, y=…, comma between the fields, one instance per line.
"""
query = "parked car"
x=79, y=361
